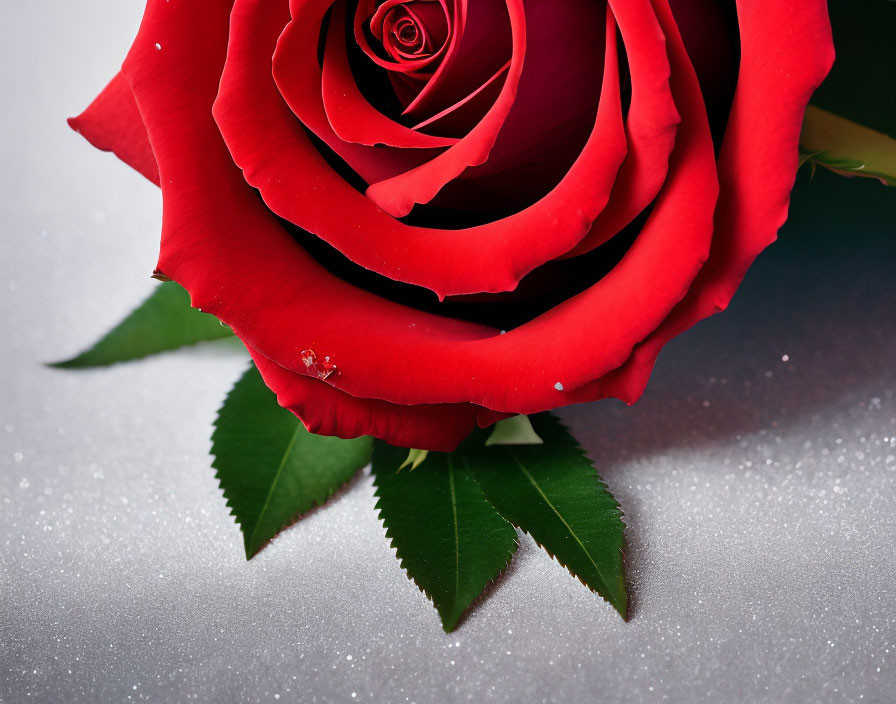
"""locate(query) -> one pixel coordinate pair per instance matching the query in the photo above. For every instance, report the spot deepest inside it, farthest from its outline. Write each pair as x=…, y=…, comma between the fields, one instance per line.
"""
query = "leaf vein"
x=456, y=531
x=274, y=482
x=544, y=496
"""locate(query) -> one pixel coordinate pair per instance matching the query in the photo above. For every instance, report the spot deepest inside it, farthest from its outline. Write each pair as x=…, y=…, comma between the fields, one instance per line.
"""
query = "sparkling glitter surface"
x=758, y=477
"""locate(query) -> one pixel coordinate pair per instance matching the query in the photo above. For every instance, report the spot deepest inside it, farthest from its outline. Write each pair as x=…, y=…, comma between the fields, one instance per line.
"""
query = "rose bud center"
x=407, y=33
x=410, y=30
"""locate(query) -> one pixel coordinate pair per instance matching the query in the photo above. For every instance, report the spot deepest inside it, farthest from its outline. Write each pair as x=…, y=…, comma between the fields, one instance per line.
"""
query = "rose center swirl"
x=408, y=35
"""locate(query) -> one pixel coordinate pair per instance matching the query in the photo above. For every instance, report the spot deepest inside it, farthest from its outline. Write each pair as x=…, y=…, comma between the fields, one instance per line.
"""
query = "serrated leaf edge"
x=228, y=495
x=398, y=554
x=292, y=520
x=621, y=515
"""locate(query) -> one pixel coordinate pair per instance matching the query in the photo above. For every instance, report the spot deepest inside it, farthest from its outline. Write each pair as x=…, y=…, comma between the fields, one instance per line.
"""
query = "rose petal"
x=112, y=123
x=398, y=194
x=786, y=51
x=257, y=32
x=650, y=129
x=551, y=118
x=325, y=410
x=462, y=115
x=352, y=118
x=480, y=44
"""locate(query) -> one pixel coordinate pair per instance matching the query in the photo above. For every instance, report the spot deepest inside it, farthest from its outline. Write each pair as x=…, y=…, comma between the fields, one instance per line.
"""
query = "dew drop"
x=321, y=369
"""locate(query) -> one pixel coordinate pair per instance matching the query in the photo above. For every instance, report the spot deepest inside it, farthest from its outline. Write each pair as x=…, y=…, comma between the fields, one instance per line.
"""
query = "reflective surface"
x=758, y=476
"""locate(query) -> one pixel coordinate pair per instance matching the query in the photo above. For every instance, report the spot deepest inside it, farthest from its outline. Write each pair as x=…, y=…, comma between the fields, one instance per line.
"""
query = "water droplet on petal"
x=321, y=369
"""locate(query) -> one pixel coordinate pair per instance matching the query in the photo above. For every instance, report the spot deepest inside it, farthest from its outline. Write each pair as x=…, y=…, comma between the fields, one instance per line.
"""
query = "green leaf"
x=271, y=469
x=847, y=147
x=164, y=321
x=516, y=430
x=552, y=492
x=449, y=539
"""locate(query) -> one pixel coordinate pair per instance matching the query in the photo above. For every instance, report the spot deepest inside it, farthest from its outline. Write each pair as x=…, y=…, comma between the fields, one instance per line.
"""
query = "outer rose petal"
x=650, y=131
x=328, y=411
x=112, y=123
x=786, y=51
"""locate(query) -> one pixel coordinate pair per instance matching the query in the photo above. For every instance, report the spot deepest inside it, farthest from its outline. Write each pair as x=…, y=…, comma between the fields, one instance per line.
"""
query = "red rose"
x=424, y=214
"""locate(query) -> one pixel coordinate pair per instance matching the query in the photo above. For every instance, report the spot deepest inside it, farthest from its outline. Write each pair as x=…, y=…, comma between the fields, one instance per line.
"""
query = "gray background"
x=759, y=492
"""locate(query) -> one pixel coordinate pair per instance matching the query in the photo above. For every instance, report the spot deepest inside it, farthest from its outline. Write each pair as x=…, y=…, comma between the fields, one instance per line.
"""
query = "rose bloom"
x=424, y=215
